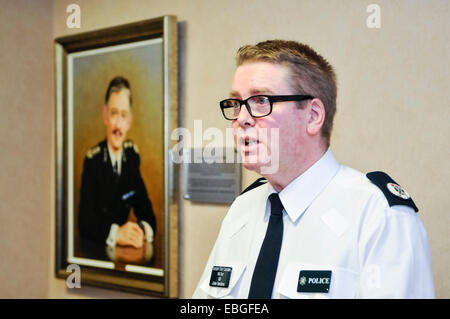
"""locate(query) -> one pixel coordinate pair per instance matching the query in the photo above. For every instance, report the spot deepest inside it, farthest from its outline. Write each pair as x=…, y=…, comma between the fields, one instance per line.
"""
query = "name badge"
x=314, y=281
x=220, y=277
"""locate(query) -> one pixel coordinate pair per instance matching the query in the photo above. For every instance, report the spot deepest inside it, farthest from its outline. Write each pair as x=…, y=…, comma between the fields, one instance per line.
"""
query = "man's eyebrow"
x=234, y=94
x=253, y=91
x=262, y=90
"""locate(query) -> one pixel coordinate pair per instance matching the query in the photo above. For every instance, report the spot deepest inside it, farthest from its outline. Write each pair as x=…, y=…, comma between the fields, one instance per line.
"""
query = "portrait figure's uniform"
x=108, y=193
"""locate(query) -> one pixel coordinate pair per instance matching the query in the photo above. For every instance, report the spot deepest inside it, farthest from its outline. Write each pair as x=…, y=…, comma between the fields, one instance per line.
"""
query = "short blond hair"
x=311, y=74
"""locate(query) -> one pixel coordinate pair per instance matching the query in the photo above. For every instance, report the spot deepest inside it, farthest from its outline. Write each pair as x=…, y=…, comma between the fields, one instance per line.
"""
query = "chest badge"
x=314, y=281
x=220, y=276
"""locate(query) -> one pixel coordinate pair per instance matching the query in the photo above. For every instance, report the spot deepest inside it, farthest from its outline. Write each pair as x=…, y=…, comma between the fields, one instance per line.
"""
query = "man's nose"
x=244, y=117
x=118, y=123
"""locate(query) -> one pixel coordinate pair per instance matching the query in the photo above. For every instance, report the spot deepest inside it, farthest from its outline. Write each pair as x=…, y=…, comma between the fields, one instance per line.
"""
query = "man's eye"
x=232, y=103
x=260, y=100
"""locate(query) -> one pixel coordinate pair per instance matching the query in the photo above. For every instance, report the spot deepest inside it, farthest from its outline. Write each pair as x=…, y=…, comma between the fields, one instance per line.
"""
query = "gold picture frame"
x=146, y=54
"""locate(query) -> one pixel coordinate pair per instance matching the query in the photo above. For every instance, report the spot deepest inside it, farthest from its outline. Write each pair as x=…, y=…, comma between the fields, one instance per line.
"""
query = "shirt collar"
x=115, y=158
x=299, y=194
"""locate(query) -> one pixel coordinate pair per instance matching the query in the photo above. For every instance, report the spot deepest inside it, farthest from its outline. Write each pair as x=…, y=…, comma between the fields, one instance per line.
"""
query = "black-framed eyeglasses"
x=257, y=106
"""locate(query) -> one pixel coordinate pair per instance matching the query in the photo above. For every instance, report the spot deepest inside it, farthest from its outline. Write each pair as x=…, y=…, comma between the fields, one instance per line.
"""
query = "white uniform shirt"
x=334, y=219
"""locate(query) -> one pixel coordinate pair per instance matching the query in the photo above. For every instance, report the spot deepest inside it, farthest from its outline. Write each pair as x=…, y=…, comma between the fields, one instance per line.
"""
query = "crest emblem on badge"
x=302, y=281
x=397, y=190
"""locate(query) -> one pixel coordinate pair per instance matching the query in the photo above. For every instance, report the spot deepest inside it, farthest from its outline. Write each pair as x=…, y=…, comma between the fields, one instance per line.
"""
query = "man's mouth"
x=117, y=133
x=249, y=141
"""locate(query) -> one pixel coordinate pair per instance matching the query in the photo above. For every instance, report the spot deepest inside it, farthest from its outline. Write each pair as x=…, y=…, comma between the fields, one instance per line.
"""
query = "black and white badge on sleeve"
x=220, y=276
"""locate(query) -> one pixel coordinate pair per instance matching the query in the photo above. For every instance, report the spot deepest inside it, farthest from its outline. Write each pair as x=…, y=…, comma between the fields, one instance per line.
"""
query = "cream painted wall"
x=26, y=106
x=393, y=110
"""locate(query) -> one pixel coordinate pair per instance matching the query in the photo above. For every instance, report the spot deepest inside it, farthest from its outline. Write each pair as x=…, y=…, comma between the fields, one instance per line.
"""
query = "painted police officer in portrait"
x=112, y=185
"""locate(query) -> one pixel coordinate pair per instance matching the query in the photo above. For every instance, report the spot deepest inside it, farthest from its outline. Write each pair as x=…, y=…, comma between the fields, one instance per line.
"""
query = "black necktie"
x=267, y=263
x=116, y=170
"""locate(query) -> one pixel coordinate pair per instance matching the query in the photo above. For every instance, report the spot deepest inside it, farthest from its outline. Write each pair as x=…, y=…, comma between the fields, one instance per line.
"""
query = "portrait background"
x=142, y=66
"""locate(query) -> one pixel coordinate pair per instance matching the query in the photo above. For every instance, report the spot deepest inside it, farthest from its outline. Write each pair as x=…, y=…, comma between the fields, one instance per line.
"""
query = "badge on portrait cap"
x=394, y=193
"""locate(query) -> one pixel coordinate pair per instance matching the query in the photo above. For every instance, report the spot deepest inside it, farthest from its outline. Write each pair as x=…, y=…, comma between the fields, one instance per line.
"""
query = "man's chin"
x=263, y=166
x=115, y=144
x=252, y=163
x=252, y=167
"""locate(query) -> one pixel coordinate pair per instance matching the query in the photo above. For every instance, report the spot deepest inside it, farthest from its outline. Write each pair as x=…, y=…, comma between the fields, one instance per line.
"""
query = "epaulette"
x=260, y=181
x=93, y=151
x=131, y=144
x=394, y=193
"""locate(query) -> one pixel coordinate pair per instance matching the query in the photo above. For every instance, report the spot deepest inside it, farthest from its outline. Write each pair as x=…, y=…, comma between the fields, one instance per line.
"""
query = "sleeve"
x=112, y=237
x=150, y=234
x=90, y=222
x=143, y=206
x=394, y=255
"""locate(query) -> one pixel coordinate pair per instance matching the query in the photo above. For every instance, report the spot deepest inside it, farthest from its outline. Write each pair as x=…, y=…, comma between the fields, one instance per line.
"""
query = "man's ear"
x=316, y=118
x=105, y=114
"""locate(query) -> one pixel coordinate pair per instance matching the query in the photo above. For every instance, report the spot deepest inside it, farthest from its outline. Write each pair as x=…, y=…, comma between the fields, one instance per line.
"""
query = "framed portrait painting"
x=116, y=202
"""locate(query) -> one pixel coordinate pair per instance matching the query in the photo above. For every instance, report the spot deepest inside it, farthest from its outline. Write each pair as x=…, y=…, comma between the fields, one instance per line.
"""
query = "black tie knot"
x=276, y=205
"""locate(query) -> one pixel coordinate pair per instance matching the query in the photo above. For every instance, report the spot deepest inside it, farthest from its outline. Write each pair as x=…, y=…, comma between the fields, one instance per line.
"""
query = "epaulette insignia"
x=131, y=144
x=93, y=151
x=258, y=182
x=127, y=144
x=394, y=193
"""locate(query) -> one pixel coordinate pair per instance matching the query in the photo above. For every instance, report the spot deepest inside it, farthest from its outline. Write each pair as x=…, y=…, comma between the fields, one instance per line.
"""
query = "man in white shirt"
x=112, y=184
x=316, y=228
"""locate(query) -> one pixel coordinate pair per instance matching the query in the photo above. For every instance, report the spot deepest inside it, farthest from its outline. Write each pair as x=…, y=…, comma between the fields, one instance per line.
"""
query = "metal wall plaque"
x=211, y=175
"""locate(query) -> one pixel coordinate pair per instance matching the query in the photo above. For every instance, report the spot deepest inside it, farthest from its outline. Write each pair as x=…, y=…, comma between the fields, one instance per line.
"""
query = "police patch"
x=394, y=193
x=314, y=281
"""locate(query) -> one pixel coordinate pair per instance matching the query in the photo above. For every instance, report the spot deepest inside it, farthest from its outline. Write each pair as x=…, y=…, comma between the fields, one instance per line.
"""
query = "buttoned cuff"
x=112, y=237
